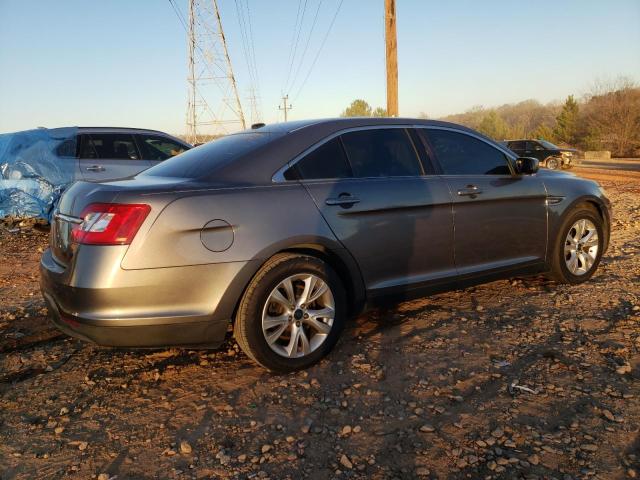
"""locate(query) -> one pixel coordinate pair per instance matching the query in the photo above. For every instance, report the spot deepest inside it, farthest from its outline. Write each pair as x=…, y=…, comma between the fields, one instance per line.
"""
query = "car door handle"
x=469, y=190
x=95, y=168
x=343, y=200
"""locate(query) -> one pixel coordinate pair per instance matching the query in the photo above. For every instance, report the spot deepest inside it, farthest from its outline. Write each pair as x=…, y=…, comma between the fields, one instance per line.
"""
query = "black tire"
x=559, y=269
x=553, y=163
x=248, y=323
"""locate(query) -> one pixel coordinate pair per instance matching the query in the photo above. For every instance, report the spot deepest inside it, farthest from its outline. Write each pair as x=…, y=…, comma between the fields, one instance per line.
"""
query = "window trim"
x=278, y=176
x=510, y=158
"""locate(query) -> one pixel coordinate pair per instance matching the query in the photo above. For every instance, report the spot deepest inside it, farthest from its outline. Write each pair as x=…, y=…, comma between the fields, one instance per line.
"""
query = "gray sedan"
x=286, y=231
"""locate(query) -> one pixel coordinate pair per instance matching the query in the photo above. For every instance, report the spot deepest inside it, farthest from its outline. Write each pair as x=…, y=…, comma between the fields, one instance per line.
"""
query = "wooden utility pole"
x=392, y=57
x=285, y=107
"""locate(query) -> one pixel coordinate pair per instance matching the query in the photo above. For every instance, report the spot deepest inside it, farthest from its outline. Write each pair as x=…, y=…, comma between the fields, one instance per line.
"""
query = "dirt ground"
x=419, y=391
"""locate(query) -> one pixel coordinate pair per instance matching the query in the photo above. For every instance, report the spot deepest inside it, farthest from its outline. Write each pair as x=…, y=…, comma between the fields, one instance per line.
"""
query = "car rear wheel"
x=579, y=246
x=552, y=163
x=291, y=314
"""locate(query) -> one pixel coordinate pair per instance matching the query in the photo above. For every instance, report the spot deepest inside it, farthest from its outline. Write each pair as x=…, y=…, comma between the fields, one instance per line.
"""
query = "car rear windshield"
x=202, y=160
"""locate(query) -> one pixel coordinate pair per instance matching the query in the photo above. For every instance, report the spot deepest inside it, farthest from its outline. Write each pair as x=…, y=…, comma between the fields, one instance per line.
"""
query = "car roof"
x=290, y=139
x=121, y=129
x=341, y=123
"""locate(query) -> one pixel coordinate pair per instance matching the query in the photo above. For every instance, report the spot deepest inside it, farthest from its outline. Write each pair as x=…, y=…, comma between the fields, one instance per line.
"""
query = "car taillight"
x=110, y=223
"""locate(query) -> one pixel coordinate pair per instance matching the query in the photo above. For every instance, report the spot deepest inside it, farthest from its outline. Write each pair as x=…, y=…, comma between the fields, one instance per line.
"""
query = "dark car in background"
x=287, y=230
x=550, y=156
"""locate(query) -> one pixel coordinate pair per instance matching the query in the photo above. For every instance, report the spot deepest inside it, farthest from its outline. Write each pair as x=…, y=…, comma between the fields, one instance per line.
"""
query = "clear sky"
x=124, y=62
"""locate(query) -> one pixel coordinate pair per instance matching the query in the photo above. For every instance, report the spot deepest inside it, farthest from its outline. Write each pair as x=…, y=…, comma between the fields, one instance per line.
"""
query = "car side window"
x=68, y=148
x=326, y=161
x=116, y=146
x=158, y=148
x=462, y=154
x=534, y=146
x=381, y=152
x=517, y=145
x=86, y=148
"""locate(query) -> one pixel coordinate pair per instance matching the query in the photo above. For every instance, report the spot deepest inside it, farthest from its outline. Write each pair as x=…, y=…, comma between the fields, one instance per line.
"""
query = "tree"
x=567, y=123
x=358, y=108
x=379, y=112
x=492, y=125
x=543, y=132
x=611, y=118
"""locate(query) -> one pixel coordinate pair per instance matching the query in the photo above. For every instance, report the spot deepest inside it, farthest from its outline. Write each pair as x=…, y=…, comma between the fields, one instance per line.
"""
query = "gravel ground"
x=419, y=391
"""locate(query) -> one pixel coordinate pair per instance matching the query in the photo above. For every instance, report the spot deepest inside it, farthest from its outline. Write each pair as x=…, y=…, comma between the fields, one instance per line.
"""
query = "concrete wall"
x=597, y=155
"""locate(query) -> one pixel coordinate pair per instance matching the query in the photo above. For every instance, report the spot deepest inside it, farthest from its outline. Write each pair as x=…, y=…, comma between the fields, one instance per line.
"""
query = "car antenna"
x=256, y=126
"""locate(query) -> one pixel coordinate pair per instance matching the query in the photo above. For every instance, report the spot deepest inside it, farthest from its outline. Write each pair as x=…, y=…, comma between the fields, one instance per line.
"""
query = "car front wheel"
x=291, y=314
x=579, y=246
x=552, y=163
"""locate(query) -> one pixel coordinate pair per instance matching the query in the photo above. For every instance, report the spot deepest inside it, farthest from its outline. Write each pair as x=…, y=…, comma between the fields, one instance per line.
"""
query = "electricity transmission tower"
x=213, y=104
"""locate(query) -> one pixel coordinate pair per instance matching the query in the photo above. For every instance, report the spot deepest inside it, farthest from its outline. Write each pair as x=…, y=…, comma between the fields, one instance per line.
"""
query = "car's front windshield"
x=548, y=145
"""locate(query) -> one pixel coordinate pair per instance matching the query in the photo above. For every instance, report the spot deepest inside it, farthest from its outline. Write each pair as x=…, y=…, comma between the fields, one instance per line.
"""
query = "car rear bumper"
x=177, y=306
x=188, y=332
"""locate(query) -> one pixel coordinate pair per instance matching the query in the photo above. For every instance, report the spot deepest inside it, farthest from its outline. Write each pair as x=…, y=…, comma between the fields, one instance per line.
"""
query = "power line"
x=255, y=66
x=306, y=47
x=245, y=40
x=179, y=15
x=295, y=28
x=295, y=45
x=324, y=40
x=246, y=33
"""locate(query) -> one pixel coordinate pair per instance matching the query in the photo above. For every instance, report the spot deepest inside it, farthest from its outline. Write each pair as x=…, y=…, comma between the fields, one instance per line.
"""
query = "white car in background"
x=107, y=153
x=36, y=165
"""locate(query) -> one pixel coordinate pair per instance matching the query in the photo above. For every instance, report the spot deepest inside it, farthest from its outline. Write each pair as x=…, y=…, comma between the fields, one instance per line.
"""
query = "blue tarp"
x=35, y=167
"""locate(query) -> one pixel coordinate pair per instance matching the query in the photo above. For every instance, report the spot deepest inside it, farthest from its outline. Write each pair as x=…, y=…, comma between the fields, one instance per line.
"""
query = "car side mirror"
x=527, y=165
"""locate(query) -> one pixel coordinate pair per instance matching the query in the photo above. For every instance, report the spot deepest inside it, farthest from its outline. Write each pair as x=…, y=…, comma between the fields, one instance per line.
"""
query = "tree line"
x=608, y=118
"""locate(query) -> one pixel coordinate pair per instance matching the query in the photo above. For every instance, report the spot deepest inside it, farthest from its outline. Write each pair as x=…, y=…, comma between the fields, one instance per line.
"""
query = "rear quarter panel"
x=263, y=219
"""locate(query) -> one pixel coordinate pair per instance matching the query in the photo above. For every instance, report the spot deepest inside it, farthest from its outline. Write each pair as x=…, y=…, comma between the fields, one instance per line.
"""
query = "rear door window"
x=68, y=148
x=381, y=152
x=517, y=145
x=116, y=146
x=462, y=154
x=158, y=148
x=534, y=146
x=326, y=161
x=86, y=148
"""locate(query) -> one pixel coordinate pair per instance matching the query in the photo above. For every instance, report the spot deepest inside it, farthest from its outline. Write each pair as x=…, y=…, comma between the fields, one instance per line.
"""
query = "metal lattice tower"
x=214, y=105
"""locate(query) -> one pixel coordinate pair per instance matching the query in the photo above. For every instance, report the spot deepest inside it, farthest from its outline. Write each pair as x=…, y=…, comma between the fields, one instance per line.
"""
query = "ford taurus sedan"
x=286, y=231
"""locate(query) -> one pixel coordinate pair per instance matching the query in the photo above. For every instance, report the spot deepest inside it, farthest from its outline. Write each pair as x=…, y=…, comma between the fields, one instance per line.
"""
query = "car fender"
x=559, y=208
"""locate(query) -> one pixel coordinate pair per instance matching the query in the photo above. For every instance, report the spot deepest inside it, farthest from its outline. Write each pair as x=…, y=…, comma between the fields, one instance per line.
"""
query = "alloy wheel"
x=298, y=315
x=581, y=247
x=553, y=164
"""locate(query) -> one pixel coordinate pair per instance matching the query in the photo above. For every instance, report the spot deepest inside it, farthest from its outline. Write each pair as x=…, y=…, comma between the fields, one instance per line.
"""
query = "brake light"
x=110, y=223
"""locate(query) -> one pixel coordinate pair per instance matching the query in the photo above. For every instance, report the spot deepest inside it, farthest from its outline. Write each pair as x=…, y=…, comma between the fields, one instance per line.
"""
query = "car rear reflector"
x=109, y=223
